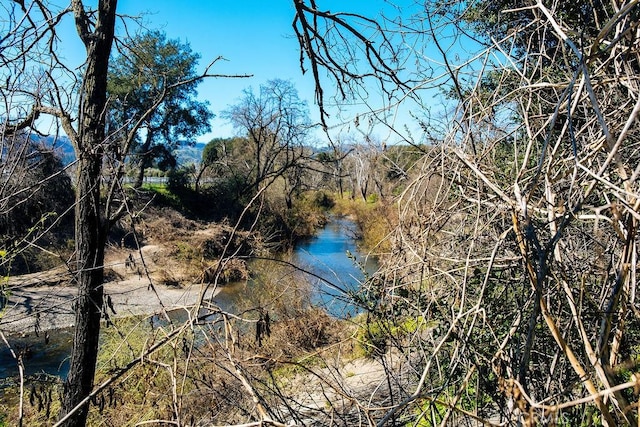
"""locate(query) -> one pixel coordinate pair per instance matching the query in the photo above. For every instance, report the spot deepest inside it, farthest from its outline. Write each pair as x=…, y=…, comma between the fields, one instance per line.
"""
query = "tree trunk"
x=144, y=159
x=203, y=167
x=139, y=175
x=90, y=232
x=91, y=225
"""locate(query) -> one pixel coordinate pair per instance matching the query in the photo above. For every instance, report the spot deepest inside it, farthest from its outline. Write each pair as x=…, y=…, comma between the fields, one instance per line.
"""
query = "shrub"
x=375, y=221
x=179, y=181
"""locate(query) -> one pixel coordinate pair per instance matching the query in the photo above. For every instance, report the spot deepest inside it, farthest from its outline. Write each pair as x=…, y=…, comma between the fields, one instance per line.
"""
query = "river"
x=331, y=257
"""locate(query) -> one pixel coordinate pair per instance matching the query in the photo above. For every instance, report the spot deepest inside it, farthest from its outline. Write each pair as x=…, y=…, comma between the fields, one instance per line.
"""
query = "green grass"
x=373, y=336
x=156, y=187
x=164, y=195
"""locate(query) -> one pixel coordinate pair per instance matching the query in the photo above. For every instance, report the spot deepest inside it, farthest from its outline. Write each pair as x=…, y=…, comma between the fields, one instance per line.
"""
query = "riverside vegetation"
x=191, y=245
x=504, y=214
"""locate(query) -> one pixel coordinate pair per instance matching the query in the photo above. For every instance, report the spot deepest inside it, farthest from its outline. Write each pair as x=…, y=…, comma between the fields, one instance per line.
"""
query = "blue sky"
x=255, y=37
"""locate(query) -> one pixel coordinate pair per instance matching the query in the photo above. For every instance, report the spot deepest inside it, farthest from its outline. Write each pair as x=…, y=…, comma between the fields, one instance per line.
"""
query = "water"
x=333, y=256
x=47, y=353
x=332, y=273
x=329, y=261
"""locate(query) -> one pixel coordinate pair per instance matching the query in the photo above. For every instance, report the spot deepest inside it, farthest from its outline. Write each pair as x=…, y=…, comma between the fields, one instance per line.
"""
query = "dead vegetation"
x=178, y=251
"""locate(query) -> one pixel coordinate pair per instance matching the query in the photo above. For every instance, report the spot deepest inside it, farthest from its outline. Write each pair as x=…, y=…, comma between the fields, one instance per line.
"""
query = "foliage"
x=212, y=152
x=322, y=199
x=130, y=401
x=224, y=170
x=179, y=180
x=375, y=220
x=491, y=19
x=37, y=201
x=153, y=86
x=289, y=209
x=514, y=230
x=375, y=332
x=514, y=236
x=399, y=159
x=193, y=376
x=275, y=125
x=144, y=100
x=509, y=252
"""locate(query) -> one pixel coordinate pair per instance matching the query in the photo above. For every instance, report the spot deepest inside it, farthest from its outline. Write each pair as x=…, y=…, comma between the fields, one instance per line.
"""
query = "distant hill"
x=62, y=145
x=190, y=155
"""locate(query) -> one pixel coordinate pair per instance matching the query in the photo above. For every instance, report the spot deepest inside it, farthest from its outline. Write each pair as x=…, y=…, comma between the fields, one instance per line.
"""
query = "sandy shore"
x=51, y=304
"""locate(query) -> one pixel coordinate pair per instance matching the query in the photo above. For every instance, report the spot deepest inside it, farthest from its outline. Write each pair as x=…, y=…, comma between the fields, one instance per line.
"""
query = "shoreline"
x=131, y=288
x=51, y=306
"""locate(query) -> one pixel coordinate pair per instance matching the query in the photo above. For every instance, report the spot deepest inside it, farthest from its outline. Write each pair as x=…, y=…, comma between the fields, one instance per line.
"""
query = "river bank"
x=34, y=308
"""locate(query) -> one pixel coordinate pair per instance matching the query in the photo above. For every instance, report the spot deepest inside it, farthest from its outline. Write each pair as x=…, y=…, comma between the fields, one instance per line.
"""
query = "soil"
x=165, y=274
x=46, y=299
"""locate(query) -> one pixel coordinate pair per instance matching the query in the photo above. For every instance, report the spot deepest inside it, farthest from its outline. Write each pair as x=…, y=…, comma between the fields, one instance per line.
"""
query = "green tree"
x=225, y=164
x=210, y=155
x=154, y=87
x=77, y=102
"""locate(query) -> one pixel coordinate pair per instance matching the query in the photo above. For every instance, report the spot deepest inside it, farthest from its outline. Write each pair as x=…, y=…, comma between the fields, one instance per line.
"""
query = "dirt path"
x=340, y=394
x=47, y=298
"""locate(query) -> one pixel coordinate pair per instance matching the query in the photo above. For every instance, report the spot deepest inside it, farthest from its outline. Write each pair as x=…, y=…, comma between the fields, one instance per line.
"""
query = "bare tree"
x=35, y=41
x=516, y=236
x=335, y=44
x=509, y=292
x=276, y=124
x=332, y=165
x=36, y=196
x=39, y=83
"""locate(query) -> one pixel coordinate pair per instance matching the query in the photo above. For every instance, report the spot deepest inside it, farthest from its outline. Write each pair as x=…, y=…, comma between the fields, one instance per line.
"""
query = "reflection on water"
x=330, y=262
x=41, y=354
x=334, y=274
x=333, y=255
